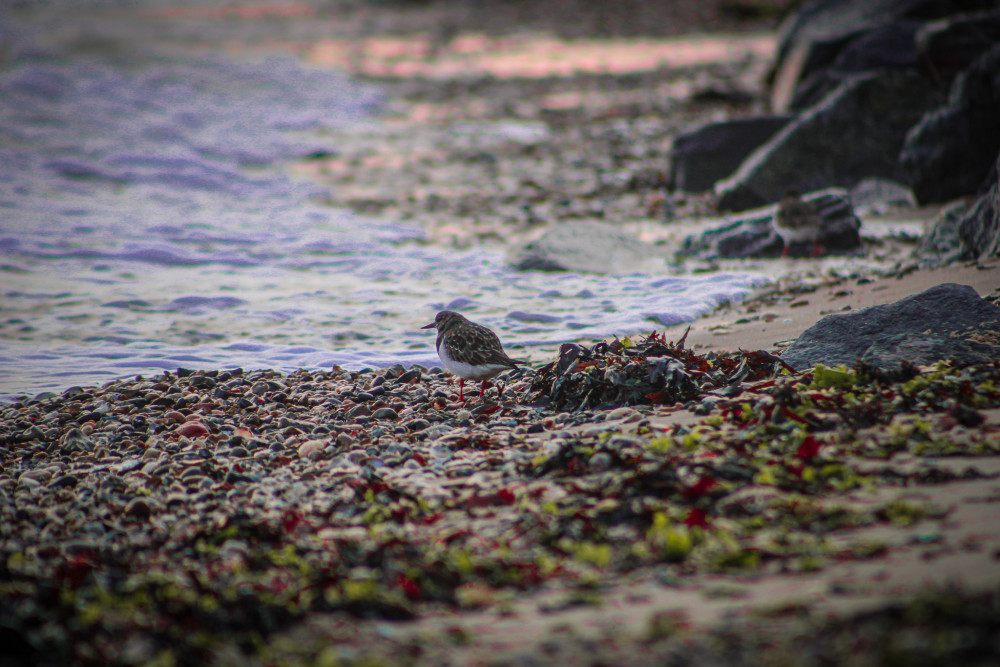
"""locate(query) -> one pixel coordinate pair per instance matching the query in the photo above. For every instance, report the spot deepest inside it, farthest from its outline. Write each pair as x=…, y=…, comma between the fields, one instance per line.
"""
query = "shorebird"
x=469, y=350
x=797, y=221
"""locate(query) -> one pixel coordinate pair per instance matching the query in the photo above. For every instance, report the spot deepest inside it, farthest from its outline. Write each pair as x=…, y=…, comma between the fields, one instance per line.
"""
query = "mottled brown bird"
x=797, y=221
x=469, y=350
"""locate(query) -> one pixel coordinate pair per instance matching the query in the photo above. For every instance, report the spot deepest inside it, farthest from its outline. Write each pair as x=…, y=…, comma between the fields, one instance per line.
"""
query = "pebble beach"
x=224, y=438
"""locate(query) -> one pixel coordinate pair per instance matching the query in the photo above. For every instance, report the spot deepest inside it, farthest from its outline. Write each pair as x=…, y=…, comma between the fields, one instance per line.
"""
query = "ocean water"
x=148, y=222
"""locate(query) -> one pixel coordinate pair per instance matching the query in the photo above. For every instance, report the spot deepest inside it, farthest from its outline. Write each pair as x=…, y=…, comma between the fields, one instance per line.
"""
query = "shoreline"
x=343, y=517
x=303, y=479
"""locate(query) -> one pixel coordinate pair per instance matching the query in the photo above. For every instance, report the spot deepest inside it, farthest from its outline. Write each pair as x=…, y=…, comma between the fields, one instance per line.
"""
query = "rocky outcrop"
x=948, y=321
x=854, y=133
x=702, y=156
x=813, y=38
x=751, y=234
x=948, y=46
x=950, y=152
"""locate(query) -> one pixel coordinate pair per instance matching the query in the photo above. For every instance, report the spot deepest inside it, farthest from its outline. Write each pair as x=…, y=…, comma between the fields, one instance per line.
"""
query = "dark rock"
x=854, y=133
x=948, y=46
x=921, y=349
x=889, y=46
x=138, y=508
x=409, y=376
x=591, y=247
x=64, y=482
x=915, y=326
x=950, y=152
x=752, y=233
x=702, y=156
x=814, y=37
x=385, y=413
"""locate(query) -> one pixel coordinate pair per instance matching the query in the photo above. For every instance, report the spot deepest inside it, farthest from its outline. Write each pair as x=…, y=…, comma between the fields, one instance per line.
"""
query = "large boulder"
x=888, y=46
x=813, y=37
x=853, y=133
x=950, y=152
x=948, y=321
x=947, y=46
x=584, y=246
x=751, y=233
x=704, y=155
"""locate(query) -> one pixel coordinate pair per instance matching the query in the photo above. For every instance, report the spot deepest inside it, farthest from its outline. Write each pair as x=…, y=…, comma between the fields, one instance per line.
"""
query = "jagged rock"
x=948, y=46
x=702, y=156
x=854, y=133
x=888, y=46
x=923, y=328
x=941, y=242
x=751, y=234
x=813, y=37
x=950, y=152
x=592, y=247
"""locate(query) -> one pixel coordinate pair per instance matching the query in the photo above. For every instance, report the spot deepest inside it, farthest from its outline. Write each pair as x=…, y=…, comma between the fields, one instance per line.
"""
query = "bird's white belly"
x=468, y=371
x=800, y=235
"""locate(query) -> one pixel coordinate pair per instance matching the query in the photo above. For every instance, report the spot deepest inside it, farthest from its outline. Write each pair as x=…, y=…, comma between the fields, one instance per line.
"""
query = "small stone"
x=359, y=411
x=311, y=449
x=346, y=440
x=76, y=440
x=385, y=413
x=66, y=481
x=138, y=508
x=259, y=388
x=193, y=429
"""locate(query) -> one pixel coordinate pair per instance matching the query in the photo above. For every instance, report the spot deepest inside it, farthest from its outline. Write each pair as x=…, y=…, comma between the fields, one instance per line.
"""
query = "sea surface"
x=148, y=222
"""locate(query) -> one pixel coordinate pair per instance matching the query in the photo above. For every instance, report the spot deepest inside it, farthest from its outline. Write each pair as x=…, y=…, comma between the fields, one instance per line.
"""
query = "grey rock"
x=941, y=242
x=923, y=349
x=385, y=413
x=878, y=195
x=887, y=46
x=979, y=228
x=751, y=234
x=591, y=247
x=931, y=325
x=854, y=133
x=704, y=155
x=950, y=152
x=813, y=37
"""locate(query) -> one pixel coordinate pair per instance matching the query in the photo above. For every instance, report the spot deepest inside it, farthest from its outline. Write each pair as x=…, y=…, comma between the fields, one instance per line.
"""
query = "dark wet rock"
x=591, y=247
x=814, y=37
x=385, y=413
x=64, y=482
x=887, y=46
x=854, y=133
x=704, y=155
x=951, y=151
x=138, y=508
x=751, y=234
x=948, y=46
x=921, y=324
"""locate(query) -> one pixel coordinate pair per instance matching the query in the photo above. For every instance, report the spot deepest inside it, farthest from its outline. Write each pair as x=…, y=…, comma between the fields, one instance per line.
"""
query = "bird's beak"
x=430, y=326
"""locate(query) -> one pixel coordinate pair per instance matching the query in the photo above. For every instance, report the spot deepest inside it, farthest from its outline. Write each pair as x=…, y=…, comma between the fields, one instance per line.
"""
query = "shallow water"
x=147, y=222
